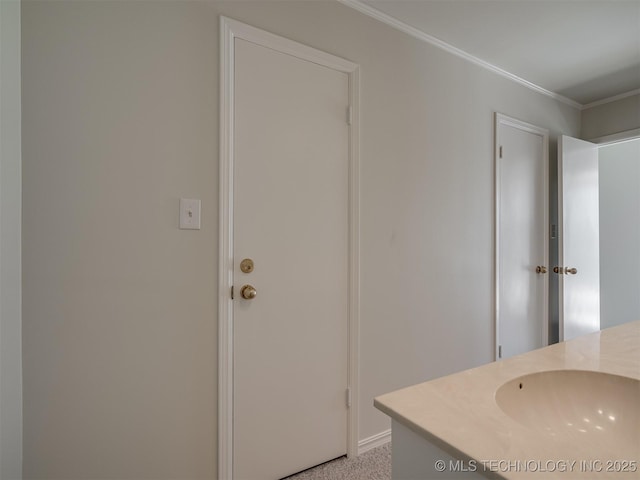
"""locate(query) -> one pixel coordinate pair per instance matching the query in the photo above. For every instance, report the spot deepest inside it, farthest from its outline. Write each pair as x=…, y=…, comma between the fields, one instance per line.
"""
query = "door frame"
x=230, y=30
x=501, y=119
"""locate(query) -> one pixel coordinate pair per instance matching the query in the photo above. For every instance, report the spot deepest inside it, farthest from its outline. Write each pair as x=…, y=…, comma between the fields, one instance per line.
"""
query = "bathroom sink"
x=576, y=404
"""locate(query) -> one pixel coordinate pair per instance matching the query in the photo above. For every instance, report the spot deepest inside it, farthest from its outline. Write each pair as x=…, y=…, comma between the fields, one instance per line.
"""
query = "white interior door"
x=579, y=237
x=521, y=237
x=291, y=185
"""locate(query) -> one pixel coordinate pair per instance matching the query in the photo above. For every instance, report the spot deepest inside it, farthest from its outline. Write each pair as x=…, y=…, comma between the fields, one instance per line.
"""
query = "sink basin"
x=575, y=404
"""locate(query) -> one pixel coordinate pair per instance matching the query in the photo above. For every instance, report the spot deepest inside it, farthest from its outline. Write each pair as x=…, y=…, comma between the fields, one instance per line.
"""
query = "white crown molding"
x=414, y=32
x=611, y=99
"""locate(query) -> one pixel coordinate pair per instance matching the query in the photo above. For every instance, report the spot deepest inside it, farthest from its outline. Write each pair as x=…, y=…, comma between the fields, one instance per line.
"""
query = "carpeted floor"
x=372, y=465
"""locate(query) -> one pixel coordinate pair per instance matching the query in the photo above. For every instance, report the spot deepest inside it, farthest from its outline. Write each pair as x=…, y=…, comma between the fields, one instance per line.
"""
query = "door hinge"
x=499, y=351
x=500, y=154
x=349, y=115
x=231, y=292
x=348, y=397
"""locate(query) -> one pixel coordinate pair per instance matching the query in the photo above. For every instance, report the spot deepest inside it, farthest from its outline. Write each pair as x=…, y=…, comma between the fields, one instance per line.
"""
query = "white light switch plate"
x=189, y=214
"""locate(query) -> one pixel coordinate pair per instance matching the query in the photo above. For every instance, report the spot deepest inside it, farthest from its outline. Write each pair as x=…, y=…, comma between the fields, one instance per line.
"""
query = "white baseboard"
x=374, y=441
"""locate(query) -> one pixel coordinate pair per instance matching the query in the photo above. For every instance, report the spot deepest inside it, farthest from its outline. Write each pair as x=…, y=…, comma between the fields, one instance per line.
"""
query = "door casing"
x=229, y=31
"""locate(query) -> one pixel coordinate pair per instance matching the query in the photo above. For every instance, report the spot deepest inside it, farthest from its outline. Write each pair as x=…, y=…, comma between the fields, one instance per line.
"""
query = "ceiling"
x=585, y=50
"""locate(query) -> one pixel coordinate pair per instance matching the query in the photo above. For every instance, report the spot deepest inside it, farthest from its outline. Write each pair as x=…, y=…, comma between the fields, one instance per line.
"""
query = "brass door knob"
x=541, y=270
x=248, y=292
x=572, y=271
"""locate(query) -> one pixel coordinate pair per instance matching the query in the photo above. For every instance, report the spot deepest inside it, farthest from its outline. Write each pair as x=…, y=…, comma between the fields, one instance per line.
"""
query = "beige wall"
x=10, y=213
x=610, y=118
x=120, y=120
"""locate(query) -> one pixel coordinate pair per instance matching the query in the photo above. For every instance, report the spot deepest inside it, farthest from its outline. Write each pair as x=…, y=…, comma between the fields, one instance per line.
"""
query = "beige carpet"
x=372, y=465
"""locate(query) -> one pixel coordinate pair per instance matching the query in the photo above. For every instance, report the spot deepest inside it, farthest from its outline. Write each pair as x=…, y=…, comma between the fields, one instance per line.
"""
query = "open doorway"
x=598, y=231
x=619, y=182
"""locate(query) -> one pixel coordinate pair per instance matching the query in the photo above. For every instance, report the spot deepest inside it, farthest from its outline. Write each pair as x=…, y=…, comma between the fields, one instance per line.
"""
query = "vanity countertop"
x=459, y=414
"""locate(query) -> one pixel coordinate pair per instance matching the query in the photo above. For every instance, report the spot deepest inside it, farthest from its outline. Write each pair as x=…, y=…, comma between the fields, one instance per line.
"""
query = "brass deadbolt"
x=246, y=265
x=541, y=270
